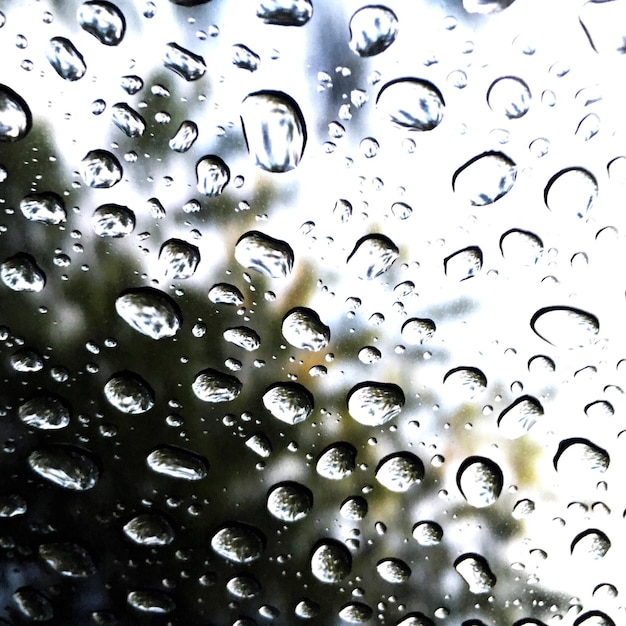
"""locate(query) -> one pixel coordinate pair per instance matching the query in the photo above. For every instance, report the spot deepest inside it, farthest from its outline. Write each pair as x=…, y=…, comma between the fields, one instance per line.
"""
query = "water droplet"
x=369, y=355
x=399, y=472
x=415, y=619
x=595, y=618
x=185, y=137
x=274, y=129
x=128, y=120
x=46, y=412
x=223, y=293
x=285, y=12
x=599, y=409
x=113, y=220
x=131, y=84
x=177, y=462
x=509, y=96
x=372, y=256
x=33, y=605
x=486, y=7
x=374, y=404
x=239, y=543
x=480, y=481
x=103, y=20
x=66, y=466
x=26, y=360
x=355, y=613
x=464, y=264
x=179, y=259
x=244, y=586
x=129, y=393
x=588, y=127
x=151, y=601
x=68, y=559
x=372, y=30
x=149, y=311
x=289, y=402
x=591, y=544
x=307, y=609
x=427, y=533
x=12, y=505
x=66, y=60
x=519, y=417
x=565, y=327
x=149, y=529
x=15, y=116
x=475, y=571
x=271, y=257
x=21, y=273
x=393, y=571
x=337, y=461
x=289, y=501
x=45, y=207
x=184, y=62
x=213, y=175
x=571, y=191
x=100, y=169
x=210, y=385
x=303, y=329
x=245, y=58
x=330, y=561
x=603, y=23
x=467, y=381
x=354, y=508
x=523, y=508
x=417, y=330
x=521, y=246
x=411, y=104
x=579, y=460
x=401, y=210
x=243, y=337
x=485, y=179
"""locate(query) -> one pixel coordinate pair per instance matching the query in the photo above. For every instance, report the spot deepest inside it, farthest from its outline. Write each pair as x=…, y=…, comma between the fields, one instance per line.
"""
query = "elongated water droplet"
x=571, y=191
x=480, y=481
x=485, y=7
x=518, y=418
x=223, y=293
x=239, y=543
x=565, y=327
x=100, y=169
x=103, y=20
x=185, y=136
x=509, y=96
x=374, y=404
x=521, y=246
x=372, y=256
x=468, y=381
x=330, y=561
x=113, y=220
x=411, y=104
x=271, y=257
x=373, y=29
x=152, y=601
x=289, y=501
x=337, y=461
x=244, y=586
x=68, y=559
x=128, y=120
x=581, y=461
x=285, y=12
x=213, y=175
x=289, y=402
x=427, y=533
x=149, y=529
x=400, y=471
x=66, y=60
x=15, y=117
x=149, y=311
x=476, y=572
x=302, y=328
x=179, y=259
x=355, y=613
x=21, y=273
x=26, y=360
x=184, y=62
x=46, y=412
x=485, y=179
x=245, y=58
x=45, y=207
x=129, y=393
x=274, y=129
x=209, y=385
x=177, y=462
x=394, y=571
x=590, y=545
x=65, y=466
x=243, y=337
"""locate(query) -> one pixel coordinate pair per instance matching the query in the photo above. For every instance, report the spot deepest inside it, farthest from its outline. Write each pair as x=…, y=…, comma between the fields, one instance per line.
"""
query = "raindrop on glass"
x=271, y=257
x=103, y=20
x=239, y=543
x=129, y=393
x=100, y=169
x=411, y=104
x=149, y=311
x=372, y=256
x=65, y=466
x=400, y=471
x=289, y=501
x=66, y=60
x=374, y=404
x=209, y=385
x=184, y=62
x=15, y=116
x=509, y=96
x=480, y=481
x=373, y=29
x=177, y=462
x=44, y=207
x=485, y=179
x=213, y=175
x=289, y=402
x=113, y=220
x=565, y=327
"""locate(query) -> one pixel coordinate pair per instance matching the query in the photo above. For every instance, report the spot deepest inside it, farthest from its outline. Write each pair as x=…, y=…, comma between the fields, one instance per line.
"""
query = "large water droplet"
x=128, y=120
x=152, y=601
x=374, y=404
x=274, y=129
x=103, y=20
x=372, y=256
x=66, y=466
x=355, y=613
x=337, y=461
x=480, y=481
x=354, y=508
x=289, y=402
x=571, y=191
x=15, y=116
x=565, y=327
x=26, y=360
x=289, y=501
x=400, y=471
x=467, y=381
x=100, y=169
x=485, y=178
x=271, y=257
x=509, y=96
x=224, y=293
x=393, y=571
x=66, y=60
x=464, y=264
x=485, y=7
x=417, y=330
x=185, y=136
x=184, y=62
x=213, y=175
x=330, y=561
x=149, y=529
x=580, y=460
x=243, y=337
x=149, y=311
x=45, y=207
x=21, y=273
x=177, y=462
x=113, y=220
x=239, y=543
x=129, y=393
x=245, y=58
x=179, y=259
x=46, y=412
x=518, y=418
x=33, y=605
x=521, y=246
x=209, y=385
x=411, y=104
x=302, y=328
x=475, y=571
x=591, y=544
x=285, y=12
x=372, y=30
x=68, y=559
x=427, y=533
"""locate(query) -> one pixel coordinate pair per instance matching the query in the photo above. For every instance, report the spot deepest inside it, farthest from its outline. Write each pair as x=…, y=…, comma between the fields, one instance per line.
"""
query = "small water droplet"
x=15, y=116
x=103, y=20
x=245, y=58
x=128, y=120
x=213, y=175
x=485, y=179
x=480, y=481
x=521, y=246
x=223, y=293
x=244, y=586
x=243, y=337
x=355, y=613
x=509, y=96
x=177, y=462
x=33, y=605
x=411, y=104
x=26, y=360
x=373, y=29
x=66, y=60
x=185, y=136
x=354, y=508
x=152, y=601
x=149, y=311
